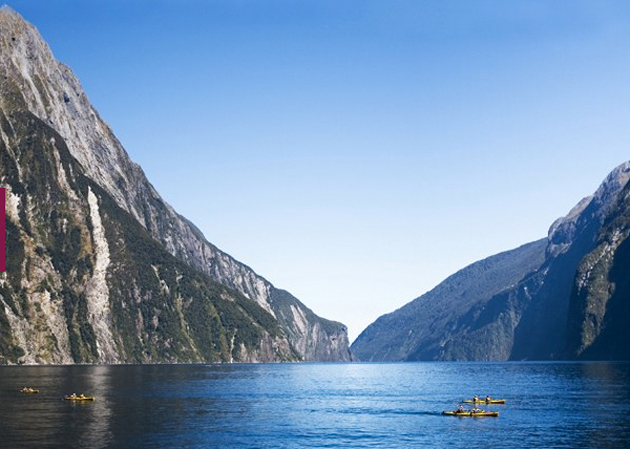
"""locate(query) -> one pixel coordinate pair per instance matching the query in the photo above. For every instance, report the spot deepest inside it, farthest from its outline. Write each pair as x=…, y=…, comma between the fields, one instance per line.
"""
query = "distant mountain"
x=430, y=327
x=563, y=297
x=99, y=267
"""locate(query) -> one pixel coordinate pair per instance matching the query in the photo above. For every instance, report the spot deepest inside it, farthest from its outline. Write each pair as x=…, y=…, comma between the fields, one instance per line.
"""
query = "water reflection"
x=609, y=422
x=313, y=405
x=45, y=417
x=97, y=431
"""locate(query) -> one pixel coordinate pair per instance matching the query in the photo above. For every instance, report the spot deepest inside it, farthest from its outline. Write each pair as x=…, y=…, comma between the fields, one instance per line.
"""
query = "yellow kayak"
x=78, y=398
x=29, y=390
x=474, y=414
x=483, y=401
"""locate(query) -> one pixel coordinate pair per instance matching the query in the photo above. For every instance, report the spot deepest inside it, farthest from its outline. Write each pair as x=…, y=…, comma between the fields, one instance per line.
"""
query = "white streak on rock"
x=301, y=322
x=97, y=291
x=12, y=205
x=53, y=315
x=19, y=329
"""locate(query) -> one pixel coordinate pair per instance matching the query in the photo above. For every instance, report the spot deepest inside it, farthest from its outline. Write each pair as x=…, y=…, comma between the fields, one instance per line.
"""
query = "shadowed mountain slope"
x=563, y=297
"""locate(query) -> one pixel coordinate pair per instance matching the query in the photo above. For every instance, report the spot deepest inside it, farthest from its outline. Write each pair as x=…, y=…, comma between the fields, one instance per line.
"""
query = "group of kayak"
x=68, y=397
x=475, y=411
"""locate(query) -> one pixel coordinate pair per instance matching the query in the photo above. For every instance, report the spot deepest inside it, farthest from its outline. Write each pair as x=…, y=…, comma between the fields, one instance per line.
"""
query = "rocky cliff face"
x=563, y=297
x=99, y=217
x=599, y=305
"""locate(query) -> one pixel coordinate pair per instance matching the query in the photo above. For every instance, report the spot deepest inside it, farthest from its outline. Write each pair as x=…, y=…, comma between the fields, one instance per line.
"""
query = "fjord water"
x=572, y=405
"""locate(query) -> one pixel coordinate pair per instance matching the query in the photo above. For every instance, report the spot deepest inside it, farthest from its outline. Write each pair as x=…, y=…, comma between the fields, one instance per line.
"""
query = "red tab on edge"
x=2, y=229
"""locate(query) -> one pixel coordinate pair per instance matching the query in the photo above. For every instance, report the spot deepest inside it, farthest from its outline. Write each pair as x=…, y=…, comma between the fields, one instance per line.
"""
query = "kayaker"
x=460, y=409
x=476, y=410
x=488, y=398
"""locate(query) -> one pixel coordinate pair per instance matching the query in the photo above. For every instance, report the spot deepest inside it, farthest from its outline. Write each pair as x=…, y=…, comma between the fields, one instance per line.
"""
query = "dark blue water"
x=549, y=405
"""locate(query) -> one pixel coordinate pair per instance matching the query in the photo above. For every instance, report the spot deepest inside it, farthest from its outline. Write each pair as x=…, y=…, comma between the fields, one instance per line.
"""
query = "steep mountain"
x=599, y=305
x=99, y=267
x=542, y=330
x=566, y=296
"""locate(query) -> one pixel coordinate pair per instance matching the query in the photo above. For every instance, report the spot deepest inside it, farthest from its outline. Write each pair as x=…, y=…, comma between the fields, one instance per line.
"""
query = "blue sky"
x=356, y=153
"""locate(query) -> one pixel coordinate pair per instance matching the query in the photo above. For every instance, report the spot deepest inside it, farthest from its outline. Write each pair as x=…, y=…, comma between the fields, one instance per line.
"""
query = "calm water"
x=550, y=405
